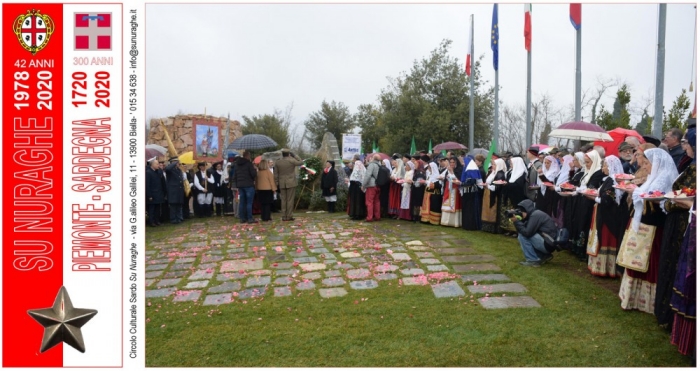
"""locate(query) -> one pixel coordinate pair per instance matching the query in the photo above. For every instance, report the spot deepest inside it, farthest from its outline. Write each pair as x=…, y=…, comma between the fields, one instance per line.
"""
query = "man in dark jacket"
x=536, y=233
x=245, y=174
x=533, y=166
x=154, y=193
x=176, y=190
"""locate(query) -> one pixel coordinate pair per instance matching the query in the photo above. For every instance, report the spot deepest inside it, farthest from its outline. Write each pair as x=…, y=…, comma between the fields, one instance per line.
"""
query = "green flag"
x=444, y=153
x=487, y=162
x=362, y=153
x=430, y=146
x=375, y=149
x=413, y=145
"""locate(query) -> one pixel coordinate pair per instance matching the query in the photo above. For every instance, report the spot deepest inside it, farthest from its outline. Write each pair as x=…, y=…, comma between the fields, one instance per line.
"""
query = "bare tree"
x=602, y=86
x=512, y=128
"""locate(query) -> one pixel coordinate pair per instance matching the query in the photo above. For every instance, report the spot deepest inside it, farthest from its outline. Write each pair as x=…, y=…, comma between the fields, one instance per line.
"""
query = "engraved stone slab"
x=447, y=290
x=217, y=299
x=202, y=275
x=160, y=292
x=468, y=258
x=211, y=258
x=484, y=277
x=312, y=267
x=455, y=251
x=185, y=260
x=312, y=275
x=230, y=276
x=153, y=274
x=509, y=302
x=439, y=243
x=242, y=264
x=300, y=254
x=414, y=243
x=350, y=254
x=149, y=282
x=362, y=285
x=284, y=281
x=344, y=266
x=437, y=268
x=284, y=265
x=424, y=254
x=356, y=260
x=252, y=293
x=207, y=266
x=176, y=274
x=320, y=250
x=197, y=284
x=430, y=261
x=476, y=268
x=419, y=248
x=385, y=268
x=412, y=272
x=283, y=291
x=225, y=287
x=306, y=259
x=332, y=273
x=333, y=281
x=286, y=272
x=400, y=256
x=308, y=285
x=156, y=267
x=354, y=274
x=168, y=282
x=258, y=281
x=501, y=287
x=187, y=296
x=333, y=292
x=385, y=276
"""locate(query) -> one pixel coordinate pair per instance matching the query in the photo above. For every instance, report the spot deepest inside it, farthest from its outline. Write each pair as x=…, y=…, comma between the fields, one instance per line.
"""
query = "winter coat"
x=536, y=221
x=329, y=180
x=176, y=188
x=371, y=174
x=245, y=173
x=154, y=189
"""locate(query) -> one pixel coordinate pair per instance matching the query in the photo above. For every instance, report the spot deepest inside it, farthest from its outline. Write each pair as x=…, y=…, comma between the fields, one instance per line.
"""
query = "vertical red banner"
x=32, y=191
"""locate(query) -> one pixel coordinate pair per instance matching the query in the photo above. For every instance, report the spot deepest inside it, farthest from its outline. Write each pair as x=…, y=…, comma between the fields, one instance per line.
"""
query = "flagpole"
x=528, y=100
x=660, y=65
x=495, y=116
x=471, y=88
x=577, y=104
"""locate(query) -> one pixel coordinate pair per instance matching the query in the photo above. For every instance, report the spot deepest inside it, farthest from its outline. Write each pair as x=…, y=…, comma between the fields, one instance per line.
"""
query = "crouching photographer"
x=537, y=233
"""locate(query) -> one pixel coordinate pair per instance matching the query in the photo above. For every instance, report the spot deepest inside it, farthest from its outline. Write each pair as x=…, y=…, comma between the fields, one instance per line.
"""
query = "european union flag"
x=494, y=36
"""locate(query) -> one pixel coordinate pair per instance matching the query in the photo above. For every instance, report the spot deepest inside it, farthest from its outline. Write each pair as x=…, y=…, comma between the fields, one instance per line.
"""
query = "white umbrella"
x=580, y=130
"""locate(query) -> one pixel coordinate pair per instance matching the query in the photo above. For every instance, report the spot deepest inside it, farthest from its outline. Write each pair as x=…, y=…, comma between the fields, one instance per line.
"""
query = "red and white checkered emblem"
x=93, y=31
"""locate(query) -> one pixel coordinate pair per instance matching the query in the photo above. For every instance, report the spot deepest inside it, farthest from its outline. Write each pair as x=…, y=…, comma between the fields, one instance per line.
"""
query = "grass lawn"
x=579, y=323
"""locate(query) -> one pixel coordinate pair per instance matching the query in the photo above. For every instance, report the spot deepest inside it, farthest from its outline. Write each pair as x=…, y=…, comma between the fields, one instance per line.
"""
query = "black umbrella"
x=252, y=141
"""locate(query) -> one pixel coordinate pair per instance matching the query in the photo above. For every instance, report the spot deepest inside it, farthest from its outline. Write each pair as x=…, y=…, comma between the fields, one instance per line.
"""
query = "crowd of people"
x=593, y=204
x=235, y=186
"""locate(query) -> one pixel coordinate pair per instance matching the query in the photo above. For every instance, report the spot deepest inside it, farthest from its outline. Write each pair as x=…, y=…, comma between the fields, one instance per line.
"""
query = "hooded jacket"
x=245, y=173
x=537, y=221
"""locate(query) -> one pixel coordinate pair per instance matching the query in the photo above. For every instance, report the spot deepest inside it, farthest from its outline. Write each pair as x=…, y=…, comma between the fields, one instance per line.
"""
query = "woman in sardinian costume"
x=470, y=184
x=547, y=199
x=357, y=210
x=405, y=204
x=433, y=195
x=491, y=203
x=395, y=188
x=451, y=198
x=513, y=193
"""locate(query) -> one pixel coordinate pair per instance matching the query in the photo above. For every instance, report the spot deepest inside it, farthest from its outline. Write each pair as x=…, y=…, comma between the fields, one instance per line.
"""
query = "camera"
x=514, y=212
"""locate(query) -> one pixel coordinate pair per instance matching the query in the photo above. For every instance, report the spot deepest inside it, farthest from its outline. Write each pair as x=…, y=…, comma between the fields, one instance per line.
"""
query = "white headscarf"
x=400, y=171
x=551, y=173
x=500, y=166
x=596, y=165
x=614, y=168
x=517, y=170
x=565, y=168
x=387, y=163
x=434, y=172
x=358, y=172
x=663, y=174
x=581, y=157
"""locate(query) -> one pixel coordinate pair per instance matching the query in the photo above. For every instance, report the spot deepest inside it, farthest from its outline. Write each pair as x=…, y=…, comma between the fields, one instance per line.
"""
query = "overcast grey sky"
x=248, y=59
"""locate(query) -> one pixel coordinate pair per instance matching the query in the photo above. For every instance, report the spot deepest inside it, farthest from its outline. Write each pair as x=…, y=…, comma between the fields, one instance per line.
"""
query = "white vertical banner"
x=92, y=177
x=351, y=145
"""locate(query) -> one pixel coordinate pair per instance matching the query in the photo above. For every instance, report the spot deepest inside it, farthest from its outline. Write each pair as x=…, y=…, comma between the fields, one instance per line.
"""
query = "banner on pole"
x=351, y=145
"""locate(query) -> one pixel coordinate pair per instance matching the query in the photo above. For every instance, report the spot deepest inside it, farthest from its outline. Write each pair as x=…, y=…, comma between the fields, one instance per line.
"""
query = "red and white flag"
x=528, y=26
x=468, y=67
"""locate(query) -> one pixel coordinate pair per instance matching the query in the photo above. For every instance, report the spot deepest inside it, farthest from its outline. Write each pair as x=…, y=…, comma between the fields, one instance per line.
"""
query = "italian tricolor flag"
x=528, y=26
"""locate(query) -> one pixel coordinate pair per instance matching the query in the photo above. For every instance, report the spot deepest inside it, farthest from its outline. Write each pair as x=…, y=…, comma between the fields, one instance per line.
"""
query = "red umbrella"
x=618, y=135
x=257, y=160
x=448, y=145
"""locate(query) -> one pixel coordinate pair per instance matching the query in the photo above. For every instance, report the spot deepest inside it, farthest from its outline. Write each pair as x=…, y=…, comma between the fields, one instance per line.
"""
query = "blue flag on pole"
x=494, y=36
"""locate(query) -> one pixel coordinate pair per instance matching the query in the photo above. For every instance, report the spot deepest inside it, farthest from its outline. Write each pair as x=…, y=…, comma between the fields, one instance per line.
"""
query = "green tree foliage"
x=678, y=115
x=644, y=125
x=274, y=126
x=431, y=102
x=604, y=118
x=620, y=116
x=333, y=117
x=369, y=119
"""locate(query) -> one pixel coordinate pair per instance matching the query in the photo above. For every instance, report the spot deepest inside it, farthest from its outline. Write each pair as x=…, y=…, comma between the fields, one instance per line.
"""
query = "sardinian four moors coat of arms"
x=33, y=30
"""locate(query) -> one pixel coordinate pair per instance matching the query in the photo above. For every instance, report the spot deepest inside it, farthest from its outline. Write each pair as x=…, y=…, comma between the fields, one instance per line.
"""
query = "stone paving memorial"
x=216, y=261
